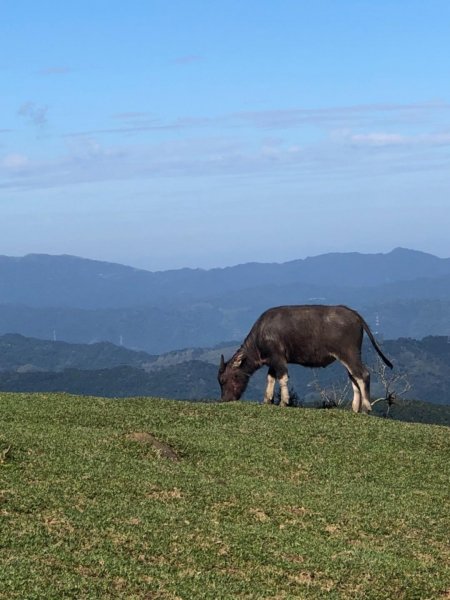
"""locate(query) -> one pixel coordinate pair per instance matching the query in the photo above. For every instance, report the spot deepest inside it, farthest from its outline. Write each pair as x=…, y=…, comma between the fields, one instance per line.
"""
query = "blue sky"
x=170, y=134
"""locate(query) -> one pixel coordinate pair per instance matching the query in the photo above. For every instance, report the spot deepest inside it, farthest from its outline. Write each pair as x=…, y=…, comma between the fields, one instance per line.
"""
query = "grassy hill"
x=247, y=501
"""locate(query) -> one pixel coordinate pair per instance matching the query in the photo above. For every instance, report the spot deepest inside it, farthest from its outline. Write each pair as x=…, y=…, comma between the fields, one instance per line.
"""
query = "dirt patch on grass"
x=161, y=448
x=165, y=495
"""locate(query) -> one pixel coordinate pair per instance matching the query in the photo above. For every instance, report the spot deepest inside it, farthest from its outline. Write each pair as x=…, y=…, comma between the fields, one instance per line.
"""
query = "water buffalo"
x=308, y=335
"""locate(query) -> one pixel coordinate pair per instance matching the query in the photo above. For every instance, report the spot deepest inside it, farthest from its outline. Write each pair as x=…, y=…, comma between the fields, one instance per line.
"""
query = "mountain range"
x=401, y=293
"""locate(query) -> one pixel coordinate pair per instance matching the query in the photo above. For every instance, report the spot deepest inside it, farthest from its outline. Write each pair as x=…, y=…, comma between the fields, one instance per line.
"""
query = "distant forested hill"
x=187, y=381
x=23, y=354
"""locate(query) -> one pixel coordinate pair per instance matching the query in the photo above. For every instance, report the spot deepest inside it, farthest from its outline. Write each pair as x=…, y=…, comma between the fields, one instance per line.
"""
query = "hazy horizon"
x=93, y=258
x=170, y=135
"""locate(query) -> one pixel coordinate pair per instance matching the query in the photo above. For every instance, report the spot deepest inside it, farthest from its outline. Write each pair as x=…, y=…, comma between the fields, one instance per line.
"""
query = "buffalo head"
x=232, y=378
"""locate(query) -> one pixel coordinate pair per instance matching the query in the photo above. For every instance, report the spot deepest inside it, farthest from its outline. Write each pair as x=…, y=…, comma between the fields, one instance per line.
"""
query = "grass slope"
x=263, y=503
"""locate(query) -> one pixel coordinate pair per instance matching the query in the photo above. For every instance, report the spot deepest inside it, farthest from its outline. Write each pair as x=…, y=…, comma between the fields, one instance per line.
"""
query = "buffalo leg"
x=356, y=403
x=284, y=401
x=366, y=406
x=270, y=389
x=360, y=376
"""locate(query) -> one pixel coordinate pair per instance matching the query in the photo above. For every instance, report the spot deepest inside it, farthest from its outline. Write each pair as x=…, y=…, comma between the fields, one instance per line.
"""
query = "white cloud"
x=352, y=118
x=393, y=139
x=350, y=149
x=352, y=155
x=330, y=116
x=378, y=139
x=14, y=162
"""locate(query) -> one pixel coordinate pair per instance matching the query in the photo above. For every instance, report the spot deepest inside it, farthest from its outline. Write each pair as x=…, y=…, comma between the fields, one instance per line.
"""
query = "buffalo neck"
x=252, y=358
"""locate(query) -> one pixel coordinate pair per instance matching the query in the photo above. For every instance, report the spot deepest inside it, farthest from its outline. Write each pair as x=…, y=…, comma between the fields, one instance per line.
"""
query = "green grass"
x=263, y=503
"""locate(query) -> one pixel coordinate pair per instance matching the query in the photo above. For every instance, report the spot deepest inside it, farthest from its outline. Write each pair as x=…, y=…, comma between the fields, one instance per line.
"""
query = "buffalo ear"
x=222, y=364
x=237, y=361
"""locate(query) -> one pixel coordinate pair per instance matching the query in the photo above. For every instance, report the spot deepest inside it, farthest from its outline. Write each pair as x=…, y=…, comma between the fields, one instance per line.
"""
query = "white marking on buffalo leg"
x=362, y=399
x=363, y=385
x=365, y=391
x=356, y=403
x=270, y=389
x=366, y=405
x=284, y=390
